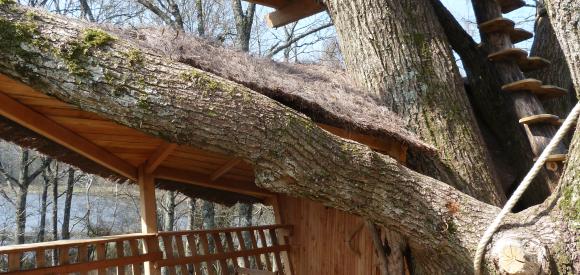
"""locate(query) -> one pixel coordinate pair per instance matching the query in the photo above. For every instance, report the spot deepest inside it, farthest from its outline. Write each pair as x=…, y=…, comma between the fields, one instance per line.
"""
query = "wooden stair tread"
x=535, y=86
x=533, y=63
x=497, y=25
x=555, y=158
x=541, y=118
x=510, y=5
x=511, y=54
x=518, y=35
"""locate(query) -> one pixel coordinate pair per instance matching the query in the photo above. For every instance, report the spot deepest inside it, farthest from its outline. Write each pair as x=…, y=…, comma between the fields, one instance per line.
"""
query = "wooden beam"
x=293, y=12
x=44, y=126
x=190, y=177
x=148, y=210
x=270, y=3
x=225, y=168
x=159, y=156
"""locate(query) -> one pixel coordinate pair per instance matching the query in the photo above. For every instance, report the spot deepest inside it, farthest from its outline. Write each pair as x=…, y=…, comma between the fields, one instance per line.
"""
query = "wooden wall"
x=320, y=240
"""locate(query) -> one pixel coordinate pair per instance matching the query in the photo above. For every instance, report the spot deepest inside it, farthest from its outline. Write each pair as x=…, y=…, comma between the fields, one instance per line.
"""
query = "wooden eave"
x=288, y=11
x=123, y=150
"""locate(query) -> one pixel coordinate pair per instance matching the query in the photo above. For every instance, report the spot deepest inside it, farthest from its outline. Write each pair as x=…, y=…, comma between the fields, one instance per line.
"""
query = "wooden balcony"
x=242, y=250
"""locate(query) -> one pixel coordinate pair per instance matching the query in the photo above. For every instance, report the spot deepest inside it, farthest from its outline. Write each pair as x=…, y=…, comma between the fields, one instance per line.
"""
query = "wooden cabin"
x=308, y=238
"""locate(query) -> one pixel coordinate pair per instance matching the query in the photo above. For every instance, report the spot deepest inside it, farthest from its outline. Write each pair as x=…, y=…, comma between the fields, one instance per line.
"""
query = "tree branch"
x=289, y=43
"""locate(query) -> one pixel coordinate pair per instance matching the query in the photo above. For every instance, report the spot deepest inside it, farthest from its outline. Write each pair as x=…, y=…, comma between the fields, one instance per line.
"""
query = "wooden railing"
x=220, y=251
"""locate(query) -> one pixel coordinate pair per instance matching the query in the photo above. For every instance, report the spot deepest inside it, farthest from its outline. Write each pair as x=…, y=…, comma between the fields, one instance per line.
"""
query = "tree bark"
x=410, y=67
x=43, y=207
x=244, y=21
x=200, y=18
x=65, y=229
x=495, y=110
x=184, y=105
x=169, y=217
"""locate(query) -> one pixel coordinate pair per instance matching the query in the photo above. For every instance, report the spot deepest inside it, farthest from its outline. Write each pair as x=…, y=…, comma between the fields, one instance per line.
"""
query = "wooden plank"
x=193, y=250
x=119, y=249
x=511, y=54
x=101, y=256
x=243, y=247
x=202, y=180
x=510, y=5
x=225, y=168
x=206, y=252
x=57, y=244
x=14, y=261
x=257, y=257
x=270, y=3
x=275, y=243
x=136, y=267
x=533, y=63
x=541, y=118
x=248, y=271
x=159, y=156
x=214, y=257
x=220, y=251
x=518, y=35
x=231, y=248
x=293, y=12
x=148, y=210
x=181, y=252
x=264, y=243
x=63, y=255
x=228, y=229
x=168, y=247
x=40, y=258
x=93, y=265
x=28, y=118
x=500, y=24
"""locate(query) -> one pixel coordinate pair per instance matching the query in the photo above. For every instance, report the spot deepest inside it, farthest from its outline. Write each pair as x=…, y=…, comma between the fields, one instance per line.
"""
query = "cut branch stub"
x=517, y=256
x=535, y=86
x=510, y=5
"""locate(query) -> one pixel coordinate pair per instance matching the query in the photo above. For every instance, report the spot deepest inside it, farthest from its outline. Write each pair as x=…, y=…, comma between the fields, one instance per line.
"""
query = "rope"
x=568, y=123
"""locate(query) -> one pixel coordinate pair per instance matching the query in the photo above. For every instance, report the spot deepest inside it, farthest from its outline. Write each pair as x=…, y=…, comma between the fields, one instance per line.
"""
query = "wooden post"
x=284, y=234
x=148, y=215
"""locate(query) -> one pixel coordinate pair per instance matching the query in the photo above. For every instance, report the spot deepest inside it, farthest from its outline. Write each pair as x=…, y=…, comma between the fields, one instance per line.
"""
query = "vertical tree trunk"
x=546, y=45
x=191, y=216
x=244, y=21
x=200, y=19
x=169, y=215
x=398, y=51
x=65, y=230
x=21, y=197
x=208, y=212
x=55, y=210
x=43, y=206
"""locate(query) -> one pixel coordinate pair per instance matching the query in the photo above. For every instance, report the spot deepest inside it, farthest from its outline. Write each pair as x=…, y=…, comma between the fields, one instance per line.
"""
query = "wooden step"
x=511, y=54
x=543, y=92
x=533, y=63
x=541, y=118
x=510, y=5
x=518, y=35
x=497, y=25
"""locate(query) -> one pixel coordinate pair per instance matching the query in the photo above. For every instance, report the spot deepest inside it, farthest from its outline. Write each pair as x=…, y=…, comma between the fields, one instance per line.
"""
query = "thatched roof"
x=324, y=94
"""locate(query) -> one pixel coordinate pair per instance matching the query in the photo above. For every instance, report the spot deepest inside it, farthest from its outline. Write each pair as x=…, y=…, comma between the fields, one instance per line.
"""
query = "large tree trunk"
x=441, y=223
x=546, y=45
x=410, y=67
x=21, y=197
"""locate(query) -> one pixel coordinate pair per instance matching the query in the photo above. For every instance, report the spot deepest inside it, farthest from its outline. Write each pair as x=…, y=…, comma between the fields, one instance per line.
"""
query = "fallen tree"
x=90, y=68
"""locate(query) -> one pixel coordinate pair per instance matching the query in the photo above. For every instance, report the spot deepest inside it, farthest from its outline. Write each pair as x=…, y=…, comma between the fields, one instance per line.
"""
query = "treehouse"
x=308, y=238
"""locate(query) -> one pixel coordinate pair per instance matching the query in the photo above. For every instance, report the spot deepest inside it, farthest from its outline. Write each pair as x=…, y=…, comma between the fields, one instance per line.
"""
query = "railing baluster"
x=83, y=256
x=265, y=244
x=134, y=245
x=181, y=253
x=120, y=254
x=230, y=242
x=63, y=255
x=205, y=245
x=14, y=261
x=101, y=256
x=40, y=258
x=243, y=248
x=220, y=250
x=275, y=243
x=257, y=257
x=151, y=245
x=193, y=249
x=168, y=247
